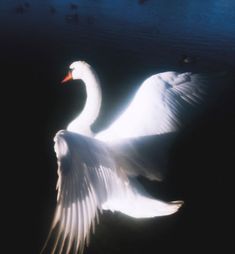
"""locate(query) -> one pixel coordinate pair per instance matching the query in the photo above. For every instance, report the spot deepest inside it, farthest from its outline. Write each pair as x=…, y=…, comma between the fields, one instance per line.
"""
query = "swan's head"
x=78, y=70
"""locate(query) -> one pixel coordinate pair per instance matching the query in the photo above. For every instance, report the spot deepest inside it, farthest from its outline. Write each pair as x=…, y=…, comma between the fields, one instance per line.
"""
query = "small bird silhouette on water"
x=27, y=5
x=142, y=1
x=73, y=6
x=72, y=18
x=22, y=8
x=52, y=9
x=186, y=59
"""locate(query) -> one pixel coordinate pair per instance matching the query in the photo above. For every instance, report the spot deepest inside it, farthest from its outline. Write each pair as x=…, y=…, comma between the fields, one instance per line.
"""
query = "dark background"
x=125, y=41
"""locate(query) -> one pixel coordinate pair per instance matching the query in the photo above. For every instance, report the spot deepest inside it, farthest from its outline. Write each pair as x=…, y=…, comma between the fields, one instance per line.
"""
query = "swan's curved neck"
x=82, y=123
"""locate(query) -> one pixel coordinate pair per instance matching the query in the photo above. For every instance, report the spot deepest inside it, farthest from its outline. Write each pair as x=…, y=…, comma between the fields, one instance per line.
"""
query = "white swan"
x=92, y=174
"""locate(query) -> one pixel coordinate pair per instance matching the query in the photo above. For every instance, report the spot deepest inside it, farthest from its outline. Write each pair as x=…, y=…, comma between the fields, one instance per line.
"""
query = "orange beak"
x=67, y=78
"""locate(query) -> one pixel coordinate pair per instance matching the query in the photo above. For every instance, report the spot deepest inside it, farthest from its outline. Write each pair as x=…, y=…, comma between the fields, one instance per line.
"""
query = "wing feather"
x=86, y=179
x=72, y=216
x=164, y=103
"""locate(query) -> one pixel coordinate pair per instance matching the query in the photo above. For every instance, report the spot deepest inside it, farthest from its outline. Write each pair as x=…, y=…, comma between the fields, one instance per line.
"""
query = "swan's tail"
x=142, y=207
x=135, y=202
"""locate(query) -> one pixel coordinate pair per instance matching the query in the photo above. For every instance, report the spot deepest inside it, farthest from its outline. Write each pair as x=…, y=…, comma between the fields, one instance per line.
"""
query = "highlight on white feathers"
x=96, y=174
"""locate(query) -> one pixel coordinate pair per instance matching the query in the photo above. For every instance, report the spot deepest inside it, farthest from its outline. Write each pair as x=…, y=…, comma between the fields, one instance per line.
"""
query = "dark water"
x=125, y=41
x=152, y=32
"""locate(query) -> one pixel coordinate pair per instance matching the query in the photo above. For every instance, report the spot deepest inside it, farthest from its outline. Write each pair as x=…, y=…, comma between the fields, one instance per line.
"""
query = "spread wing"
x=87, y=177
x=90, y=179
x=164, y=103
x=146, y=156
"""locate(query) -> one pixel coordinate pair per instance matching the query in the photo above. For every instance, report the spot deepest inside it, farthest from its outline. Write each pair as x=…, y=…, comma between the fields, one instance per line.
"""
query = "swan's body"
x=94, y=175
x=154, y=103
